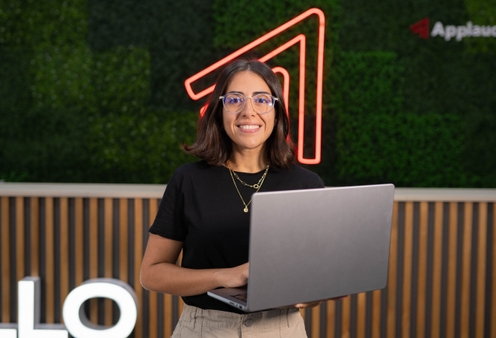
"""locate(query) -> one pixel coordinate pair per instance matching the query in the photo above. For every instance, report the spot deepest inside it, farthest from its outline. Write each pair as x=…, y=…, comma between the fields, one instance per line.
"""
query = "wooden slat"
x=392, y=287
x=168, y=315
x=481, y=271
x=153, y=320
x=361, y=313
x=407, y=271
x=93, y=252
x=64, y=250
x=451, y=280
x=345, y=321
x=376, y=313
x=315, y=321
x=20, y=240
x=50, y=259
x=466, y=263
x=108, y=254
x=79, y=241
x=6, y=261
x=436, y=270
x=422, y=269
x=34, y=229
x=123, y=240
x=330, y=319
x=138, y=249
x=153, y=209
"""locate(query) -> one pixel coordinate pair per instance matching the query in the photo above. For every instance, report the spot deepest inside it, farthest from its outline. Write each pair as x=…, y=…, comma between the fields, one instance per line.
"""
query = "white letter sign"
x=79, y=325
x=75, y=319
x=28, y=318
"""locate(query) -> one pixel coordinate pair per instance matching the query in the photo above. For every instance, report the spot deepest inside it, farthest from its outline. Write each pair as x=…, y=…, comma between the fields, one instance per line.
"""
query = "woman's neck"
x=246, y=163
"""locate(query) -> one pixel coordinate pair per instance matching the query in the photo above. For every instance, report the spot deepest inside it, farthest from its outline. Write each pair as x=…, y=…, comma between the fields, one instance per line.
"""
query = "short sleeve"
x=169, y=221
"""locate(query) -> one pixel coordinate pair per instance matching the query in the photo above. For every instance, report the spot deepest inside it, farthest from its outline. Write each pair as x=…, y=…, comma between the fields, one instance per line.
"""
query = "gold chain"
x=259, y=185
x=256, y=185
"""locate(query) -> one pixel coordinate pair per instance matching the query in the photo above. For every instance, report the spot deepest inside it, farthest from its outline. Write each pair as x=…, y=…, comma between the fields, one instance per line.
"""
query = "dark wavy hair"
x=212, y=142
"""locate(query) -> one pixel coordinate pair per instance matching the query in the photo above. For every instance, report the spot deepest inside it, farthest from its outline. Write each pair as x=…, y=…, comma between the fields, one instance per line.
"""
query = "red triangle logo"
x=421, y=28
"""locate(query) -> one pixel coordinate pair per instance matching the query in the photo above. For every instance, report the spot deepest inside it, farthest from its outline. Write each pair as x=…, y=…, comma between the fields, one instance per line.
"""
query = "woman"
x=244, y=146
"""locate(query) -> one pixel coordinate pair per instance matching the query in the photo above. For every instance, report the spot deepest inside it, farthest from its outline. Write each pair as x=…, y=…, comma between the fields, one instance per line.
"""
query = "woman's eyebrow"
x=254, y=93
x=260, y=92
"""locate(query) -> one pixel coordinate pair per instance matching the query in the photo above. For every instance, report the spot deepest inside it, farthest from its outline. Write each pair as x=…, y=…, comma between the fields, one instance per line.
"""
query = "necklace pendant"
x=245, y=209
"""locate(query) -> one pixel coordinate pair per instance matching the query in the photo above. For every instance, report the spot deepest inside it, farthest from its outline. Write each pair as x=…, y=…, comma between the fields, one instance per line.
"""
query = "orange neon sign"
x=301, y=40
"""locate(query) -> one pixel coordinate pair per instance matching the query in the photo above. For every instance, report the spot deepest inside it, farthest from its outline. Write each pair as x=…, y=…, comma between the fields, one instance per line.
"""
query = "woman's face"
x=247, y=129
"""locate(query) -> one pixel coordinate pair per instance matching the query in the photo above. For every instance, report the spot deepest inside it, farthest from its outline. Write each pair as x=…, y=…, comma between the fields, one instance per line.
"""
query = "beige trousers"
x=196, y=322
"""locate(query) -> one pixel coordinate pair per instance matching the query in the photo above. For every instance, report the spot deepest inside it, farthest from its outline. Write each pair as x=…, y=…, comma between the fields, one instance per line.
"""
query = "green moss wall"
x=92, y=91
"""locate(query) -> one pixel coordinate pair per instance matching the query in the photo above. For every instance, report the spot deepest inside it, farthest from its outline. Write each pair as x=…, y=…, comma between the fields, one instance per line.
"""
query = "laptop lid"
x=309, y=245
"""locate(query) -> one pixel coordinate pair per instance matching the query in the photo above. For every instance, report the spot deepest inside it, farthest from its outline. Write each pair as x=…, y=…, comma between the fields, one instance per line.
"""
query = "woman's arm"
x=160, y=273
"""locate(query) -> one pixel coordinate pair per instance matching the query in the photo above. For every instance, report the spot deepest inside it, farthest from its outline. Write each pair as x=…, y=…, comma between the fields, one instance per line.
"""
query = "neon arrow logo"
x=301, y=39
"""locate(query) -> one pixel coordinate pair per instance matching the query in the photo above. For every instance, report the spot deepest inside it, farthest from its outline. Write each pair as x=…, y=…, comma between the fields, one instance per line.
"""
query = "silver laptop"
x=316, y=244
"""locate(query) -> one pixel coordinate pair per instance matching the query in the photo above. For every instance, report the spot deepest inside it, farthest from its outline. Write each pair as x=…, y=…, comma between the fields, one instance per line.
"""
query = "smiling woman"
x=205, y=211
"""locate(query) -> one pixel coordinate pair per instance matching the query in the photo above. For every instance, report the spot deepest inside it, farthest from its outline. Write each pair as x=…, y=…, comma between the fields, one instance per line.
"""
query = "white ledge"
x=445, y=194
x=157, y=190
x=82, y=190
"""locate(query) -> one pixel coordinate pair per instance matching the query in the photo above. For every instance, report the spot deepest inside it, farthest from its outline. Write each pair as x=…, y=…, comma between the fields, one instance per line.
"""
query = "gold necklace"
x=259, y=185
x=256, y=185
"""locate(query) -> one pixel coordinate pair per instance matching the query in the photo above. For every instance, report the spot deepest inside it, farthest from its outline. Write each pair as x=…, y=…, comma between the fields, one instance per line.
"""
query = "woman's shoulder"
x=299, y=170
x=301, y=176
x=186, y=176
x=191, y=167
x=194, y=170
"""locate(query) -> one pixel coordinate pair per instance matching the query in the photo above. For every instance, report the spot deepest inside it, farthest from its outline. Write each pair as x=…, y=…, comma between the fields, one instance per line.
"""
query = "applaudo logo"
x=449, y=32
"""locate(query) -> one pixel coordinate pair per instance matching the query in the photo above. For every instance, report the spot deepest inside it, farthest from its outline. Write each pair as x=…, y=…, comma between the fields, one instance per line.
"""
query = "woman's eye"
x=262, y=99
x=233, y=99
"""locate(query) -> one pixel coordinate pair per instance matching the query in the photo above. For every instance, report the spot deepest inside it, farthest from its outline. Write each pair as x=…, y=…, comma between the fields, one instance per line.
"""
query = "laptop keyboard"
x=241, y=296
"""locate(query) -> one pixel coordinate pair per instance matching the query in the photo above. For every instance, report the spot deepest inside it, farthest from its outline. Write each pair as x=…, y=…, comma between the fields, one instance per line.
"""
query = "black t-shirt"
x=202, y=209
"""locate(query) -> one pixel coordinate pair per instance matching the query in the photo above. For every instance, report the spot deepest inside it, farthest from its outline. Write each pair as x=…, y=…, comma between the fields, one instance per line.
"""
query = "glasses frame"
x=274, y=99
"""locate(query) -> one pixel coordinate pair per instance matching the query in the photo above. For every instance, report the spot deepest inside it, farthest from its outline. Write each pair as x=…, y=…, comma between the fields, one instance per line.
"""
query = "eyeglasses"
x=235, y=102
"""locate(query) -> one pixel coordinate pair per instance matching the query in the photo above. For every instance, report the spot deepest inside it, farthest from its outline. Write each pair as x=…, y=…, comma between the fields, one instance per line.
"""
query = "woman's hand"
x=317, y=303
x=233, y=277
x=160, y=273
x=308, y=305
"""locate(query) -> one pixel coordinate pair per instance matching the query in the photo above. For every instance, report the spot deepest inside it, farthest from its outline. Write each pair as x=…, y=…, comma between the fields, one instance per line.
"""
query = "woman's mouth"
x=249, y=127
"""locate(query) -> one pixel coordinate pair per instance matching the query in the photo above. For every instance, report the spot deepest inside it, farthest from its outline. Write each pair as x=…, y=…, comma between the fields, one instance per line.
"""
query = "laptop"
x=315, y=244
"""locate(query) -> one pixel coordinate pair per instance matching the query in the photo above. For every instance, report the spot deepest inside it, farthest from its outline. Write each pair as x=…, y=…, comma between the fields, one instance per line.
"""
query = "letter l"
x=28, y=317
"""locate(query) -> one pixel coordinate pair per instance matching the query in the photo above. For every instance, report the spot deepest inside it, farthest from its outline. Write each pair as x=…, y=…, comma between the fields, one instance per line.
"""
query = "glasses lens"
x=262, y=103
x=234, y=102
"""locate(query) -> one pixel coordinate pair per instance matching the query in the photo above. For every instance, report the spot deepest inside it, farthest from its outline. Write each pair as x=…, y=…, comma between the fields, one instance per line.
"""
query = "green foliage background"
x=92, y=91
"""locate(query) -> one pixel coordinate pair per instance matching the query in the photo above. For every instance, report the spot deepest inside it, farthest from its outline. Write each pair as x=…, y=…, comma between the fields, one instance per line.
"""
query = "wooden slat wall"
x=442, y=276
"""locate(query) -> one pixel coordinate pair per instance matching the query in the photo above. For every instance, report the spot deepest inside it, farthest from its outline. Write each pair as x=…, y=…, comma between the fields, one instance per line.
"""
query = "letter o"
x=78, y=324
